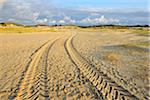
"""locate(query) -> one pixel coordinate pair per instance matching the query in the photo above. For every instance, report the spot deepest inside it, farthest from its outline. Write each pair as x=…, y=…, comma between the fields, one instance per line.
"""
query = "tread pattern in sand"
x=109, y=88
x=34, y=84
x=66, y=81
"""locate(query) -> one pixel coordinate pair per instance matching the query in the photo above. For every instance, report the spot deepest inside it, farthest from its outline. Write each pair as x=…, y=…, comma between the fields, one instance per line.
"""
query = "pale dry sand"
x=73, y=65
x=109, y=53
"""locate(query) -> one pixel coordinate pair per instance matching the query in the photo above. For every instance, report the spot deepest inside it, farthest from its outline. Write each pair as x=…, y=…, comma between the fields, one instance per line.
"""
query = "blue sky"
x=103, y=3
x=80, y=12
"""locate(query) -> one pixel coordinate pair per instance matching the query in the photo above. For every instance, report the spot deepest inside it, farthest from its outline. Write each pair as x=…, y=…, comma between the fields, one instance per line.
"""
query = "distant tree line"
x=111, y=25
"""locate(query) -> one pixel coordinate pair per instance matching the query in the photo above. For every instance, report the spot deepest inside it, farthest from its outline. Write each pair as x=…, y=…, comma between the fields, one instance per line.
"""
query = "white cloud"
x=61, y=22
x=112, y=10
x=35, y=15
x=96, y=10
x=33, y=11
x=91, y=21
x=21, y=11
x=100, y=20
x=68, y=19
x=52, y=21
x=11, y=20
x=23, y=6
x=94, y=14
x=64, y=20
x=42, y=21
x=2, y=1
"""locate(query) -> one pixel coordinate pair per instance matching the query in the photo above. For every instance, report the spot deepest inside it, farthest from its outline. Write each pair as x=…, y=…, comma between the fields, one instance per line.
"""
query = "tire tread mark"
x=12, y=93
x=109, y=89
x=32, y=77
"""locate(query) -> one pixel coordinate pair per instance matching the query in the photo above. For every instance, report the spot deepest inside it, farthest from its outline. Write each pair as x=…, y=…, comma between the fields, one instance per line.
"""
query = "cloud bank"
x=100, y=20
x=2, y=1
x=33, y=12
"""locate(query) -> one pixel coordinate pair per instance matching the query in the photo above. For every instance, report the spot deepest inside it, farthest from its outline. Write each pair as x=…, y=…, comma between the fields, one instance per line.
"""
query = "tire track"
x=96, y=91
x=34, y=84
x=9, y=94
x=109, y=88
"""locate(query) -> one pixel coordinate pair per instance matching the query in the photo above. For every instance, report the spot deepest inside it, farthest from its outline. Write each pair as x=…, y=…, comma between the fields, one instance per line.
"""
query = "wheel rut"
x=34, y=84
x=109, y=89
x=92, y=87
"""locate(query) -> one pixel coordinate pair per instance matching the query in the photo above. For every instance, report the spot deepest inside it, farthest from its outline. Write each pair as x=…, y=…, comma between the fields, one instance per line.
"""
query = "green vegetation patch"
x=27, y=29
x=141, y=31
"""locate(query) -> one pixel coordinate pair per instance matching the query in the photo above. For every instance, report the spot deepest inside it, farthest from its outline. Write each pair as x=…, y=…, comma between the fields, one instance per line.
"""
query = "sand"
x=73, y=65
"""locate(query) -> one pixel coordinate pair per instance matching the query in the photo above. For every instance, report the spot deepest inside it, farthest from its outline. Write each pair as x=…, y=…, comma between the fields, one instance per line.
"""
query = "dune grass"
x=140, y=31
x=27, y=29
x=22, y=29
